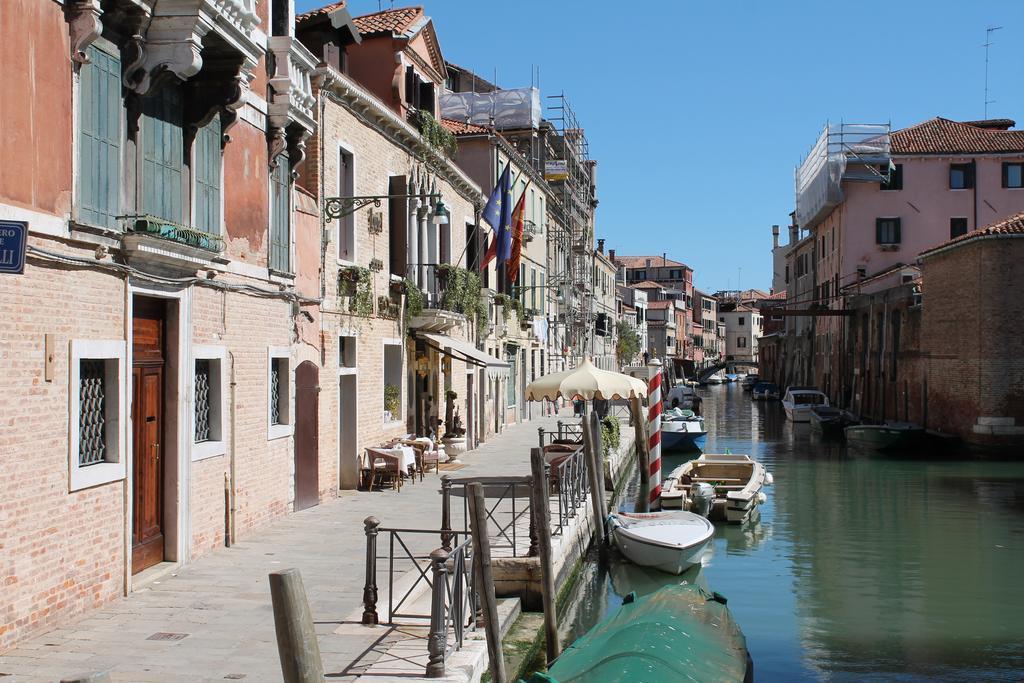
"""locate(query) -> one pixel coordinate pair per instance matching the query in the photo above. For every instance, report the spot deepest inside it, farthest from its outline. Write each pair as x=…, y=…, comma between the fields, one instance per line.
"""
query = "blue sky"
x=697, y=112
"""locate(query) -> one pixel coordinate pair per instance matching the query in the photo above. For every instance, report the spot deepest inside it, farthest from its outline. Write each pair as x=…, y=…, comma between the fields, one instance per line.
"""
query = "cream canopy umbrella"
x=587, y=382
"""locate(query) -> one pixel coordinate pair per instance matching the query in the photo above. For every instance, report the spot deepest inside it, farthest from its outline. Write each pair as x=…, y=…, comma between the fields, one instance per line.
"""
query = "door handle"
x=156, y=447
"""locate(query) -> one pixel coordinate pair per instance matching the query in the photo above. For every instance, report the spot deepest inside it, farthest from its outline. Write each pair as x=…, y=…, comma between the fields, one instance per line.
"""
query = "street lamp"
x=441, y=213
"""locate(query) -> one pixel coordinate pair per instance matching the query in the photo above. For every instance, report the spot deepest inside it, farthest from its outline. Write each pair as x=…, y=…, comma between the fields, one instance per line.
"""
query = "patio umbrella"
x=586, y=382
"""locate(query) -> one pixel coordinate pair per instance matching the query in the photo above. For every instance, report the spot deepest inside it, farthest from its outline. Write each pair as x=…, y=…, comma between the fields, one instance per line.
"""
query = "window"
x=887, y=231
x=207, y=175
x=346, y=351
x=97, y=413
x=279, y=392
x=741, y=342
x=533, y=289
x=208, y=401
x=741, y=321
x=675, y=274
x=346, y=225
x=99, y=139
x=961, y=176
x=1013, y=175
x=895, y=178
x=280, y=216
x=511, y=356
x=640, y=275
x=957, y=227
x=163, y=155
x=392, y=380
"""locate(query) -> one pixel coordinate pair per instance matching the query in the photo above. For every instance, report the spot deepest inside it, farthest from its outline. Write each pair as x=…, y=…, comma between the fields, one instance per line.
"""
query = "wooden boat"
x=831, y=421
x=682, y=430
x=670, y=541
x=799, y=401
x=888, y=437
x=738, y=482
x=678, y=633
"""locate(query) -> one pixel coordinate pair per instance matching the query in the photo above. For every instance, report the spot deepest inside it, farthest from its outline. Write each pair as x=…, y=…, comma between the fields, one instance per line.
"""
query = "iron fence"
x=571, y=484
x=507, y=507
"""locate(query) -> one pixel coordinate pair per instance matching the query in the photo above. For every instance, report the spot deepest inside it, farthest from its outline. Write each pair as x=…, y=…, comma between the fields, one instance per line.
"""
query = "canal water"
x=860, y=567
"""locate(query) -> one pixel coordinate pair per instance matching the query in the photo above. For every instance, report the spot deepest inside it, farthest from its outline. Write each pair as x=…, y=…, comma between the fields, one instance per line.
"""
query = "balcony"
x=451, y=297
x=155, y=240
x=290, y=112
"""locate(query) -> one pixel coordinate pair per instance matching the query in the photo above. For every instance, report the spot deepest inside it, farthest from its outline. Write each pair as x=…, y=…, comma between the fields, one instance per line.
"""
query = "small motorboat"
x=765, y=391
x=831, y=421
x=750, y=381
x=799, y=401
x=737, y=481
x=895, y=436
x=731, y=377
x=682, y=430
x=677, y=633
x=717, y=378
x=670, y=541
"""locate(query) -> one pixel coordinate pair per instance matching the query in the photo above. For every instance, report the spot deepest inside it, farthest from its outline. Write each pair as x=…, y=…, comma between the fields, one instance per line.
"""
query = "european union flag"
x=498, y=213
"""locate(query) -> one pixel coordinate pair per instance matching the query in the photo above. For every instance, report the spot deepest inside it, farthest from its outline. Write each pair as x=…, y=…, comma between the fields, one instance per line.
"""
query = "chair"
x=420, y=448
x=384, y=467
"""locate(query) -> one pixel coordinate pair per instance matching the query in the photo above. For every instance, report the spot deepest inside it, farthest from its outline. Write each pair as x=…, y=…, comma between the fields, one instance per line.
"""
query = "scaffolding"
x=570, y=172
x=856, y=152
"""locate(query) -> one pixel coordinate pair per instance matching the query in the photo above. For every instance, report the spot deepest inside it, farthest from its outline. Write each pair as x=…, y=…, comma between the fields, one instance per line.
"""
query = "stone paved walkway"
x=218, y=609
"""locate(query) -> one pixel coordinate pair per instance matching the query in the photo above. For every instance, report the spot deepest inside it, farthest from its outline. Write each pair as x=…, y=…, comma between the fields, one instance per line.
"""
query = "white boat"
x=670, y=541
x=717, y=378
x=681, y=430
x=738, y=482
x=799, y=401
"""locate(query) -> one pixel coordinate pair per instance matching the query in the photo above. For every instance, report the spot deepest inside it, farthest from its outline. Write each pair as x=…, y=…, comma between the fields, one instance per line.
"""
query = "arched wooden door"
x=307, y=458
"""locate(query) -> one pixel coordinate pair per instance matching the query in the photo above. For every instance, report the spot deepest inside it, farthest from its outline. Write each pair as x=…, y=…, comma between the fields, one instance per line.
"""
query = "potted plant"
x=392, y=402
x=455, y=437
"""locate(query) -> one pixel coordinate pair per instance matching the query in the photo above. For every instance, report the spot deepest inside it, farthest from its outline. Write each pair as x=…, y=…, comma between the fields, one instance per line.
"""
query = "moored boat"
x=765, y=391
x=750, y=381
x=799, y=401
x=679, y=632
x=894, y=436
x=670, y=541
x=682, y=430
x=831, y=421
x=738, y=482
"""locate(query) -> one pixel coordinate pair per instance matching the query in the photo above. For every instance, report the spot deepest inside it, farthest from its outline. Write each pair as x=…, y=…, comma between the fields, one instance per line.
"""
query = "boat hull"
x=637, y=539
x=886, y=437
x=682, y=441
x=739, y=492
x=798, y=413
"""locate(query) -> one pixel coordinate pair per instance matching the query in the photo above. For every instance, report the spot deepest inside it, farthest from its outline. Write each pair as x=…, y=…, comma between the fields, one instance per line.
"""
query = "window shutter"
x=99, y=144
x=163, y=155
x=897, y=239
x=878, y=231
x=279, y=216
x=208, y=177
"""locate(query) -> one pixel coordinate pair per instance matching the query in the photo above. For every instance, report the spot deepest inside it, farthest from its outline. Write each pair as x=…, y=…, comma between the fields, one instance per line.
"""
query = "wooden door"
x=307, y=457
x=147, y=434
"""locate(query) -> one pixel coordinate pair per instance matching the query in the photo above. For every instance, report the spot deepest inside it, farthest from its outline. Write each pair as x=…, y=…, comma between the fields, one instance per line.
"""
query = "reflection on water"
x=860, y=567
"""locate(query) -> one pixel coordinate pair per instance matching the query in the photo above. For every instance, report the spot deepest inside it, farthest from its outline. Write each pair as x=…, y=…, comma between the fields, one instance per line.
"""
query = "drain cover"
x=167, y=636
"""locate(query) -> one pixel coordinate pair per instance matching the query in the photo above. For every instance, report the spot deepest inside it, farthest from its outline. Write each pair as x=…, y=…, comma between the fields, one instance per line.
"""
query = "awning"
x=468, y=353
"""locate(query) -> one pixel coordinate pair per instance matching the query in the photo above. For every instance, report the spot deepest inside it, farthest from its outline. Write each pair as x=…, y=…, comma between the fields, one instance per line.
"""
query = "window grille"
x=202, y=404
x=275, y=392
x=92, y=413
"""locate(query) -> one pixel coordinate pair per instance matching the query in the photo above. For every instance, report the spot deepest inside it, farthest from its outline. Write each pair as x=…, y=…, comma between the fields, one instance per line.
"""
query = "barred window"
x=279, y=385
x=92, y=413
x=202, y=400
x=275, y=392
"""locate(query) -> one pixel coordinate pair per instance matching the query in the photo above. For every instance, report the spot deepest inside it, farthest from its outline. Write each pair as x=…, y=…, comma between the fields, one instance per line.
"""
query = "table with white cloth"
x=406, y=456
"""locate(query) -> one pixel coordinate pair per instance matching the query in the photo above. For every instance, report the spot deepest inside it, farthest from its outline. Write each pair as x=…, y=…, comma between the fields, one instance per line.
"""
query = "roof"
x=460, y=128
x=647, y=284
x=388, y=21
x=777, y=296
x=1012, y=226
x=322, y=11
x=943, y=136
x=656, y=305
x=641, y=261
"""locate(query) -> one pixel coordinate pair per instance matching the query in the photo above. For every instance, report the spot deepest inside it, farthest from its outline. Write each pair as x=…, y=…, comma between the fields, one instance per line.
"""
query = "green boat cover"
x=678, y=633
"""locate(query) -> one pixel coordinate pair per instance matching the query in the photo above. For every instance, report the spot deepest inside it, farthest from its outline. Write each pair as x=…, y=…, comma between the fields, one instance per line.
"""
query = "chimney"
x=775, y=237
x=794, y=229
x=600, y=246
x=611, y=255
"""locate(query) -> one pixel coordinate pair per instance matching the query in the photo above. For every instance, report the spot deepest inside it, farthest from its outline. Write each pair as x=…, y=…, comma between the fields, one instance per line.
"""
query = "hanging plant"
x=436, y=135
x=413, y=298
x=359, y=290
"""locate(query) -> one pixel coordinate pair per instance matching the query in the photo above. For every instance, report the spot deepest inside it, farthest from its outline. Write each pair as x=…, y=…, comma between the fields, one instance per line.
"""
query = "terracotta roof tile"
x=460, y=128
x=641, y=261
x=942, y=136
x=1014, y=225
x=326, y=9
x=647, y=284
x=388, y=21
x=664, y=303
x=777, y=296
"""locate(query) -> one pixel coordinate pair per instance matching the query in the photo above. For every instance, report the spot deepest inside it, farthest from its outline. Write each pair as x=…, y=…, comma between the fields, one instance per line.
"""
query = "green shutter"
x=280, y=237
x=99, y=142
x=163, y=152
x=207, y=174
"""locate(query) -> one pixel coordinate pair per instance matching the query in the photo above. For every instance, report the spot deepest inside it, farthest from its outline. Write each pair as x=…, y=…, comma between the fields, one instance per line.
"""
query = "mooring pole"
x=595, y=430
x=594, y=480
x=542, y=517
x=437, y=640
x=297, y=645
x=482, y=553
x=640, y=444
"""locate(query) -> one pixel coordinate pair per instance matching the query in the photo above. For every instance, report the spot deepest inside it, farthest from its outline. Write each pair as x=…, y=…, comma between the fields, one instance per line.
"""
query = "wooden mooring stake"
x=297, y=645
x=594, y=479
x=542, y=522
x=482, y=555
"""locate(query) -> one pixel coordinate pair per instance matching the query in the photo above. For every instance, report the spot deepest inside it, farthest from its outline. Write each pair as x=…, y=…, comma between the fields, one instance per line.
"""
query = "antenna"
x=988, y=43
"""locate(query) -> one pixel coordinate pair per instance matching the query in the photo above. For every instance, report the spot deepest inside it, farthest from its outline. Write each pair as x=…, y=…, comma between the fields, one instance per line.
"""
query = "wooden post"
x=595, y=430
x=534, y=534
x=482, y=553
x=446, y=513
x=370, y=586
x=541, y=514
x=596, y=492
x=640, y=444
x=559, y=429
x=540, y=436
x=437, y=641
x=296, y=638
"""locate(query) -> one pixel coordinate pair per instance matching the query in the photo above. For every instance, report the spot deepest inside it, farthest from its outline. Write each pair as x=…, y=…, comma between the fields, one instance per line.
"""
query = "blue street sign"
x=13, y=238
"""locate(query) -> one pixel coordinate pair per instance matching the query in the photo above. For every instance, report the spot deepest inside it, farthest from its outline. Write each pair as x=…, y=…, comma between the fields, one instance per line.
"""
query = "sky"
x=698, y=112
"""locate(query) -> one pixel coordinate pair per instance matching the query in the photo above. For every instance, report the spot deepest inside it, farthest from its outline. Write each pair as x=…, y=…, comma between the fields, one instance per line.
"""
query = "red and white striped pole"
x=654, y=407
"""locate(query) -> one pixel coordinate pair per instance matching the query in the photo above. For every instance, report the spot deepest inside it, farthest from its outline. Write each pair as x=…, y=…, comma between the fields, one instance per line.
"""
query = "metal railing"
x=454, y=603
x=572, y=486
x=507, y=507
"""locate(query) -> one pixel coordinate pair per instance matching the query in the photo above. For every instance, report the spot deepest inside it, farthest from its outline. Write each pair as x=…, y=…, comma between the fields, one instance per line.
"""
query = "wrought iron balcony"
x=173, y=232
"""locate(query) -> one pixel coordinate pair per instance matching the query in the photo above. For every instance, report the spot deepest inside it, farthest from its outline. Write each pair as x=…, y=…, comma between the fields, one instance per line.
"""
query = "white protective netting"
x=510, y=109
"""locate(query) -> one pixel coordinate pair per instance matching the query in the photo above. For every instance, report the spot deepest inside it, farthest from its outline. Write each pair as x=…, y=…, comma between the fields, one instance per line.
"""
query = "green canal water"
x=860, y=567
